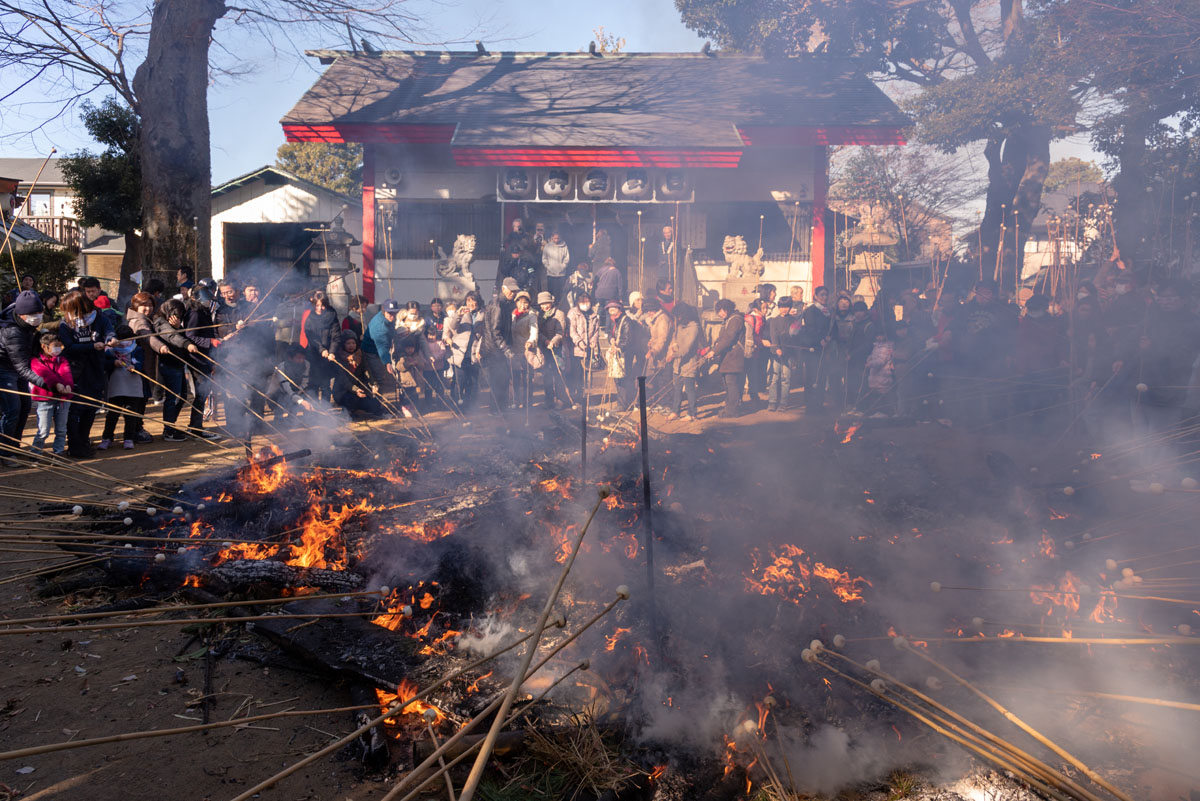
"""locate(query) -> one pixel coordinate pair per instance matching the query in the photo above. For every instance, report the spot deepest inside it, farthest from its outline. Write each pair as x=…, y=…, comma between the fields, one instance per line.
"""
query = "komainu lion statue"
x=741, y=263
x=459, y=262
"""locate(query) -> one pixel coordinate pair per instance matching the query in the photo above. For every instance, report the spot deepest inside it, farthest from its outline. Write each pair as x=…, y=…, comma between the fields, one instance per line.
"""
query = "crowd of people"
x=1122, y=356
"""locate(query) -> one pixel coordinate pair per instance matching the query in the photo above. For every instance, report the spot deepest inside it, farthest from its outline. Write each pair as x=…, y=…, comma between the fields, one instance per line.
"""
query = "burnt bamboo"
x=648, y=524
x=393, y=710
x=1016, y=721
x=473, y=779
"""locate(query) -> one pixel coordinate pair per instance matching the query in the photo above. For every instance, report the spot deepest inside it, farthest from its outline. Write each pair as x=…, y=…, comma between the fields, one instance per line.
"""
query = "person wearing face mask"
x=125, y=388
x=583, y=331
x=580, y=281
x=84, y=335
x=18, y=331
x=54, y=400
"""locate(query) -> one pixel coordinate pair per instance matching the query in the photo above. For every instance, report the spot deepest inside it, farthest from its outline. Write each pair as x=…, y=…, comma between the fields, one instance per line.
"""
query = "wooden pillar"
x=820, y=247
x=368, y=223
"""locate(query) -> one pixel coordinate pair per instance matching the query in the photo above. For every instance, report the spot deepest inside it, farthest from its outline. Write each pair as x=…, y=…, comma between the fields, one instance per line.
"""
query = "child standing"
x=53, y=402
x=125, y=388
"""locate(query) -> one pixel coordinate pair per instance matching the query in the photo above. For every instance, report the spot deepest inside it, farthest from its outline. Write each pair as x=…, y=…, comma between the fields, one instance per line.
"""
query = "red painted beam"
x=368, y=222
x=820, y=198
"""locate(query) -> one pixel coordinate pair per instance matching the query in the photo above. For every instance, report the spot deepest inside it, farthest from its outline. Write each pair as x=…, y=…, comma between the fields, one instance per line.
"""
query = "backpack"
x=749, y=344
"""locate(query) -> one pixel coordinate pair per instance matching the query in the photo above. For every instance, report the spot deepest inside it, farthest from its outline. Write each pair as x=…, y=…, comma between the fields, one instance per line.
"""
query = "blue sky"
x=244, y=112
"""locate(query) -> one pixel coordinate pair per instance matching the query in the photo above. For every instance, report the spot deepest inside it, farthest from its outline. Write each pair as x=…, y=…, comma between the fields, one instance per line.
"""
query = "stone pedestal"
x=741, y=291
x=455, y=287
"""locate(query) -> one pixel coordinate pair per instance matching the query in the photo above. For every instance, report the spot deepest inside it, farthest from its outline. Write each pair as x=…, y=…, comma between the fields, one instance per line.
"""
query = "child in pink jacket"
x=53, y=402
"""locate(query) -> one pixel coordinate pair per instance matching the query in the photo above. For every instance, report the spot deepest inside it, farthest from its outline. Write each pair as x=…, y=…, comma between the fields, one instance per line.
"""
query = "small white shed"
x=270, y=215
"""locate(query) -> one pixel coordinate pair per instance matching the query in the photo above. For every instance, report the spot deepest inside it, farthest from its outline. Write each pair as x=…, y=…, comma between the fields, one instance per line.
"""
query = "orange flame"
x=405, y=692
x=610, y=642
x=257, y=481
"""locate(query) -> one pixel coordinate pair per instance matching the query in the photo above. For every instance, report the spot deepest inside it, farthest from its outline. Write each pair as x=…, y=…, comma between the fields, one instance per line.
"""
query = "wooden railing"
x=64, y=229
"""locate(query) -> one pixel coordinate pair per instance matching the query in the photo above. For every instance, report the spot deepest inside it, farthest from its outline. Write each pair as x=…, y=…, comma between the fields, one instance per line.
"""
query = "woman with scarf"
x=84, y=334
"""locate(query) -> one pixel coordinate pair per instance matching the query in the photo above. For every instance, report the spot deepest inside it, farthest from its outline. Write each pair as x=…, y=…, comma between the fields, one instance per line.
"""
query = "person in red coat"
x=53, y=401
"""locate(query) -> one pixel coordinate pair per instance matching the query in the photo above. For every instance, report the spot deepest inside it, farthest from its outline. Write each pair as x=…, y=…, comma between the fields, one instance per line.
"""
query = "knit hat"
x=510, y=284
x=634, y=296
x=545, y=297
x=28, y=302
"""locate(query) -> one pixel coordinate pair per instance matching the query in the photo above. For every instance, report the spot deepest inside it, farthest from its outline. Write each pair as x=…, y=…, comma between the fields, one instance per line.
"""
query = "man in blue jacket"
x=378, y=345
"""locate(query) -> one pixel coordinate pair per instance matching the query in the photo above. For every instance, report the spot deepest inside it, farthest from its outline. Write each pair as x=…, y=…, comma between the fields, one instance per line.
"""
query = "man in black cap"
x=378, y=345
x=18, y=330
x=495, y=348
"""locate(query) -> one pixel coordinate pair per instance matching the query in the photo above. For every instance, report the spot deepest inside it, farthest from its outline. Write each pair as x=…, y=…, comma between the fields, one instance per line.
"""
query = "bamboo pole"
x=394, y=709
x=1032, y=732
x=137, y=624
x=22, y=753
x=1043, y=590
x=466, y=729
x=1133, y=699
x=20, y=210
x=946, y=732
x=473, y=779
x=1022, y=756
x=156, y=610
x=56, y=568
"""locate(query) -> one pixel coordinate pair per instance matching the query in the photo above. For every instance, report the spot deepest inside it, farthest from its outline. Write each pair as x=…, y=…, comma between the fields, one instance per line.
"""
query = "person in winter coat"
x=623, y=342
x=609, y=286
x=496, y=351
x=18, y=331
x=757, y=354
x=138, y=318
x=462, y=335
x=816, y=337
x=176, y=355
x=779, y=354
x=321, y=335
x=200, y=328
x=551, y=334
x=288, y=388
x=683, y=353
x=659, y=326
x=555, y=259
x=52, y=401
x=525, y=343
x=729, y=351
x=583, y=332
x=126, y=389
x=582, y=281
x=84, y=334
x=350, y=388
x=379, y=346
x=880, y=399
x=862, y=341
x=838, y=350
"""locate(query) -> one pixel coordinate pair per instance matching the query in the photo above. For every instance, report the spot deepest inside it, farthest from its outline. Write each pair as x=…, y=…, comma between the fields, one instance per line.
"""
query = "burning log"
x=371, y=746
x=248, y=572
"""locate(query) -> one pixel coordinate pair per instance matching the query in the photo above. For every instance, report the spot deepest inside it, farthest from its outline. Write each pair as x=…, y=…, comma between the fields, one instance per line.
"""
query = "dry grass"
x=578, y=755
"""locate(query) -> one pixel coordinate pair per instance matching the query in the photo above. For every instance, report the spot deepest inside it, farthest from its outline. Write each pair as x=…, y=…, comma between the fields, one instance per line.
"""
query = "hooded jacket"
x=584, y=331
x=16, y=347
x=555, y=258
x=729, y=349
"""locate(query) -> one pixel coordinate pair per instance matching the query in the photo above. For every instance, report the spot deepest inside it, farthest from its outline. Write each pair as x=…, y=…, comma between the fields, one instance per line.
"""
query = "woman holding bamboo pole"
x=84, y=333
x=139, y=317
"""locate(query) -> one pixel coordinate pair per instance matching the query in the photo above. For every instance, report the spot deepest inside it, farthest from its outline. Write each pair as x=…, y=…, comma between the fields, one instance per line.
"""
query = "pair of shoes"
x=783, y=409
x=104, y=443
x=672, y=416
x=174, y=436
x=691, y=418
x=127, y=444
x=772, y=408
x=143, y=437
x=211, y=435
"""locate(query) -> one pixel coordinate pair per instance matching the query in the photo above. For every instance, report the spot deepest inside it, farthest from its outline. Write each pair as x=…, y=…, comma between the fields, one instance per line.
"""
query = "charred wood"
x=371, y=747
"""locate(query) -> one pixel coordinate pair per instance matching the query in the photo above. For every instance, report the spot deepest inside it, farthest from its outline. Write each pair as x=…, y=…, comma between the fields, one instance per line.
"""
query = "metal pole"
x=583, y=422
x=649, y=524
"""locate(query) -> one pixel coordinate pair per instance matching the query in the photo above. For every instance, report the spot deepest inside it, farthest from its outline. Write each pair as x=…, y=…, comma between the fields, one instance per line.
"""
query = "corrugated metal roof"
x=581, y=100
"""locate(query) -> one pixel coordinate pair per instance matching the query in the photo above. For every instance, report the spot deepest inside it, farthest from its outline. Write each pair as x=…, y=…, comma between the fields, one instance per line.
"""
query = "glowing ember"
x=258, y=481
x=405, y=692
x=610, y=642
x=789, y=574
x=426, y=532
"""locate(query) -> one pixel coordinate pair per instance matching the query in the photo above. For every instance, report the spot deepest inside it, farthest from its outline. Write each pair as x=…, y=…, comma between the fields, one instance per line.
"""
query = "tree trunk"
x=1130, y=218
x=131, y=262
x=172, y=89
x=1028, y=199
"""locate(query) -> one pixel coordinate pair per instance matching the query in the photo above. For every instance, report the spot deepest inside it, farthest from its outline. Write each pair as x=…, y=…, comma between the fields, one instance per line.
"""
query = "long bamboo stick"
x=470, y=725
x=1133, y=699
x=157, y=610
x=394, y=709
x=473, y=779
x=22, y=753
x=1015, y=720
x=185, y=621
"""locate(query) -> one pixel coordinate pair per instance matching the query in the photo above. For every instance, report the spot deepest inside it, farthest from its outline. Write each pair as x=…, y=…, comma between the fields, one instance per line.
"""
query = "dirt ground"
x=89, y=684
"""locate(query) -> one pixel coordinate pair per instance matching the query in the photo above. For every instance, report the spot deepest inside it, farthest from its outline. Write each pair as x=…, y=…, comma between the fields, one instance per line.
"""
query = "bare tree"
x=74, y=48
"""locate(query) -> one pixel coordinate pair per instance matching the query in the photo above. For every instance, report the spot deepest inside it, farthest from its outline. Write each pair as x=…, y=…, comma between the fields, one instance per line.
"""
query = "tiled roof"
x=582, y=100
